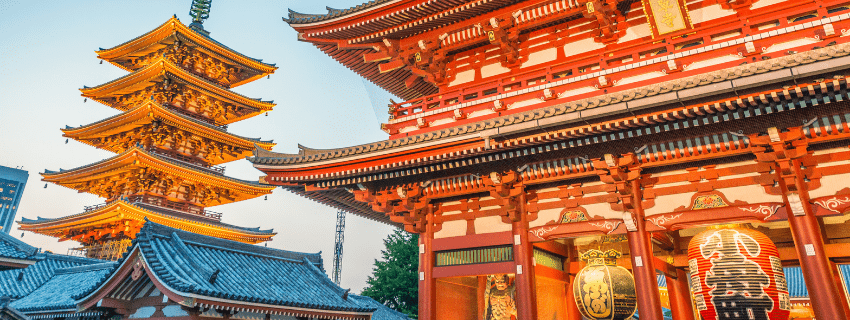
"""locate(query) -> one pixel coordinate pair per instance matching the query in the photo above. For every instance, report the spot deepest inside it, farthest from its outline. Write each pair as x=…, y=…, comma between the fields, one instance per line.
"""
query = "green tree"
x=394, y=280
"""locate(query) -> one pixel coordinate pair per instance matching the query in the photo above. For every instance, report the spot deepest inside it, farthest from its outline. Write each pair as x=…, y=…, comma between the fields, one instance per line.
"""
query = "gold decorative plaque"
x=666, y=16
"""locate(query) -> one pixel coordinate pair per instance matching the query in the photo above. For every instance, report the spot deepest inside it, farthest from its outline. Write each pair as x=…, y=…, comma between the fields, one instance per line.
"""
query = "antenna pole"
x=339, y=239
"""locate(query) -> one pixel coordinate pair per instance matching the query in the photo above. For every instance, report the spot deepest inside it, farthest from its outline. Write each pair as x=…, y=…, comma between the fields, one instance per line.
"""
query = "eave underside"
x=440, y=13
x=700, y=136
x=127, y=219
x=145, y=115
x=392, y=81
x=342, y=200
x=139, y=161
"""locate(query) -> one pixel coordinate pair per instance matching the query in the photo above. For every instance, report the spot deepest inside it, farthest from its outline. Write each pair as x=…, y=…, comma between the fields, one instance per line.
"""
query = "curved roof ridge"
x=21, y=246
x=86, y=268
x=302, y=18
x=180, y=164
x=263, y=153
x=158, y=211
x=166, y=109
x=155, y=229
x=163, y=65
x=176, y=25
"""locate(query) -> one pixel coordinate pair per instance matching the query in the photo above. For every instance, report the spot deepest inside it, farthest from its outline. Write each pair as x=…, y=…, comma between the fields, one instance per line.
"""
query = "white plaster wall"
x=544, y=216
x=479, y=113
x=830, y=185
x=576, y=92
x=668, y=203
x=765, y=3
x=541, y=56
x=603, y=210
x=712, y=62
x=581, y=46
x=463, y=77
x=707, y=13
x=442, y=121
x=750, y=194
x=452, y=229
x=491, y=225
x=636, y=32
x=640, y=77
x=493, y=69
x=524, y=103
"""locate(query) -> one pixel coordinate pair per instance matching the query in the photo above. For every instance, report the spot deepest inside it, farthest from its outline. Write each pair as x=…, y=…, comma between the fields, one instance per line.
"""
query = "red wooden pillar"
x=427, y=283
x=526, y=289
x=572, y=308
x=646, y=280
x=826, y=299
x=482, y=286
x=680, y=296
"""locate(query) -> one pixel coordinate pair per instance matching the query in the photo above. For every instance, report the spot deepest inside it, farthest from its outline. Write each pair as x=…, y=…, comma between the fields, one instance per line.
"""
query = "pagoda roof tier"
x=128, y=217
x=152, y=77
x=136, y=164
x=149, y=112
x=165, y=35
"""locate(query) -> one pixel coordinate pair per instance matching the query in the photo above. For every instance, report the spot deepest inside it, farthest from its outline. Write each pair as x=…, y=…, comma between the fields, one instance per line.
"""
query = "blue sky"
x=47, y=54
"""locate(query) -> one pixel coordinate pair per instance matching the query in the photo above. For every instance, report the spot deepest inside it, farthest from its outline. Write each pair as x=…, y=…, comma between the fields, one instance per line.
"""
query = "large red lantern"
x=736, y=273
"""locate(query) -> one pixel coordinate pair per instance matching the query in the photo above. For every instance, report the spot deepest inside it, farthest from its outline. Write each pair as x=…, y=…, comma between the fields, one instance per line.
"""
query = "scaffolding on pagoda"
x=170, y=141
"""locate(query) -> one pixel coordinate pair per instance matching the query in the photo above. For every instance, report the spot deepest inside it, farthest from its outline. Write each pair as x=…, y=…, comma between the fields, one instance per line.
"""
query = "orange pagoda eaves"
x=125, y=217
x=152, y=124
x=139, y=172
x=130, y=55
x=161, y=81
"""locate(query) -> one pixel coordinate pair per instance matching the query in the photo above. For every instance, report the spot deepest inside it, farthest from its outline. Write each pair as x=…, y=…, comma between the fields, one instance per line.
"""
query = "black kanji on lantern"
x=737, y=283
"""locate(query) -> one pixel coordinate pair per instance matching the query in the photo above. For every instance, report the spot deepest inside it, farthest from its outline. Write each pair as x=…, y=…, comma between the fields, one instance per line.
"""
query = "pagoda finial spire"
x=200, y=10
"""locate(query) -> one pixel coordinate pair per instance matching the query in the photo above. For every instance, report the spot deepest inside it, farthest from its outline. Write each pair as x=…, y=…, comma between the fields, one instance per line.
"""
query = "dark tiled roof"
x=9, y=313
x=383, y=312
x=18, y=283
x=302, y=18
x=65, y=287
x=14, y=248
x=186, y=262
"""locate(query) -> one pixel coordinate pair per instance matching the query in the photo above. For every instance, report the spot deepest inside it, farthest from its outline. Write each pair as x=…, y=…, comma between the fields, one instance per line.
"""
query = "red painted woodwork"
x=554, y=299
x=456, y=300
x=474, y=269
x=679, y=294
x=473, y=241
x=427, y=279
x=646, y=281
x=526, y=293
x=788, y=153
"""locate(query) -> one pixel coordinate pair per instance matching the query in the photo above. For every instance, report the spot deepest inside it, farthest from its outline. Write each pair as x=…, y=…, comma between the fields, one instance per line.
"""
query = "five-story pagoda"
x=172, y=133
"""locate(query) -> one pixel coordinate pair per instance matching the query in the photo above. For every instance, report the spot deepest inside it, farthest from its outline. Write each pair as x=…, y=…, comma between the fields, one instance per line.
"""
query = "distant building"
x=12, y=183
